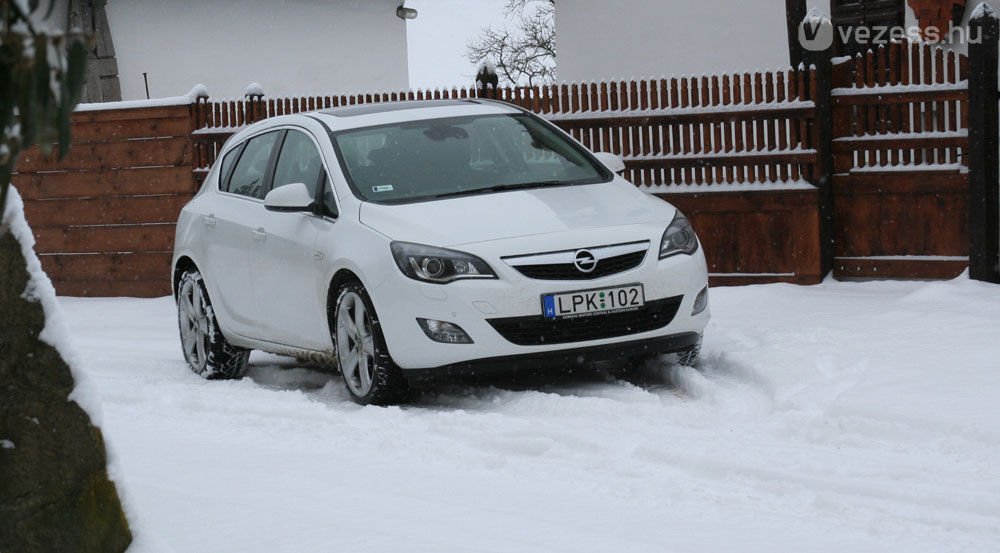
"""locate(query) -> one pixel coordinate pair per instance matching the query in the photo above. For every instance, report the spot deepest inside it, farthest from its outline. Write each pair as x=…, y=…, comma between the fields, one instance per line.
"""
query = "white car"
x=412, y=239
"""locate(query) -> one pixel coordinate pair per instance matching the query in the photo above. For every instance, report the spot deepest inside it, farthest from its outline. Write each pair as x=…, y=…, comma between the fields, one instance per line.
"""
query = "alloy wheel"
x=192, y=312
x=355, y=344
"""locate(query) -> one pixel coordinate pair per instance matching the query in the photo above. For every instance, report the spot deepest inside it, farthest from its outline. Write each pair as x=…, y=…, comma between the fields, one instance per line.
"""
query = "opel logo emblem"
x=585, y=261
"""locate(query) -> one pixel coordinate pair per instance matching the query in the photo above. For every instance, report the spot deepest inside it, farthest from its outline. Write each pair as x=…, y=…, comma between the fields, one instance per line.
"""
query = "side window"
x=227, y=165
x=299, y=161
x=248, y=175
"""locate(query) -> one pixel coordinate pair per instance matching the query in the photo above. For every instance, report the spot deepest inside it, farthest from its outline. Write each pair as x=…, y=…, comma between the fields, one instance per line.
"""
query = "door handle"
x=260, y=235
x=210, y=220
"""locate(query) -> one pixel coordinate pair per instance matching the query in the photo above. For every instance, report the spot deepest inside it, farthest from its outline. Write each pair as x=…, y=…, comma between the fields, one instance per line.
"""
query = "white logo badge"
x=816, y=32
x=585, y=261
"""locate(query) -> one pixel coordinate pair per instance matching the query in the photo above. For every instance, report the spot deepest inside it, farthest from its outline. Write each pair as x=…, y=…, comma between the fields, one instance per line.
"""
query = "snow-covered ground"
x=841, y=417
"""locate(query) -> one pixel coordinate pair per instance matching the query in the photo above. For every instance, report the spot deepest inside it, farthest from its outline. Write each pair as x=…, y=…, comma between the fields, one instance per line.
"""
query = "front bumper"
x=563, y=358
x=471, y=304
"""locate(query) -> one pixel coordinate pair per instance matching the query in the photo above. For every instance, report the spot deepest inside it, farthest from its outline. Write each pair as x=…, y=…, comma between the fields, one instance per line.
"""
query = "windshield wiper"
x=500, y=188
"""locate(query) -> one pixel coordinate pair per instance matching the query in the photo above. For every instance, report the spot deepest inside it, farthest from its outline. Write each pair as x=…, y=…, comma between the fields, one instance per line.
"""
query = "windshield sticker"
x=382, y=188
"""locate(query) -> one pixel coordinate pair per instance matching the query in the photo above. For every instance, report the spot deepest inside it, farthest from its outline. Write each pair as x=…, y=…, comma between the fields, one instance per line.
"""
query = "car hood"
x=471, y=219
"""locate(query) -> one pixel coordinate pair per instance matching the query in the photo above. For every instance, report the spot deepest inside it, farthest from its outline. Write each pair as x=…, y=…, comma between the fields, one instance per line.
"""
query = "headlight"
x=438, y=265
x=678, y=238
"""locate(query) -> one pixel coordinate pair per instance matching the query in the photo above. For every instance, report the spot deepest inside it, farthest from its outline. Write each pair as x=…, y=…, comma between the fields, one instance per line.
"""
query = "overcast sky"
x=437, y=39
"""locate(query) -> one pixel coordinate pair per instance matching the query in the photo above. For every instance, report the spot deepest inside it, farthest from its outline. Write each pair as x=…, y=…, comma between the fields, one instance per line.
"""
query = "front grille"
x=568, y=271
x=539, y=331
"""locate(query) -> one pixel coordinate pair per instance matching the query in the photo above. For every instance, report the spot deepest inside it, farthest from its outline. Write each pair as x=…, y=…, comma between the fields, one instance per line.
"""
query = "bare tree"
x=526, y=53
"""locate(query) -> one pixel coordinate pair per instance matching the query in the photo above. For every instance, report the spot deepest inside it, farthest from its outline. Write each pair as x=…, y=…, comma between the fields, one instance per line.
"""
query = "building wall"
x=911, y=21
x=291, y=47
x=598, y=39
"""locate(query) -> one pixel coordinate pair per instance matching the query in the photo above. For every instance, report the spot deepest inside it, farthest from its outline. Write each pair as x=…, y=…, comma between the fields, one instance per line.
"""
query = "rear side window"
x=250, y=170
x=227, y=165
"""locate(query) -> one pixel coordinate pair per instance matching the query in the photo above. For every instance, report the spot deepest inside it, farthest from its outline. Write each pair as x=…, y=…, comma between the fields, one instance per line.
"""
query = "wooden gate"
x=901, y=185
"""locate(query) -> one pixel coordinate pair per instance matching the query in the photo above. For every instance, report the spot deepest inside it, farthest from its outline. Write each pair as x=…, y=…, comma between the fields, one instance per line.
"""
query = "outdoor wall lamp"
x=403, y=12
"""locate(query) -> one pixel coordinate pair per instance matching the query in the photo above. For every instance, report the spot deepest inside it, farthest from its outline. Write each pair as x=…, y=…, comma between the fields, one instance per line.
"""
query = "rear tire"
x=370, y=375
x=206, y=350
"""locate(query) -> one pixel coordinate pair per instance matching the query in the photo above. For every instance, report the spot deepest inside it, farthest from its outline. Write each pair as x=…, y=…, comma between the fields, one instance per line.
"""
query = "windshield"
x=438, y=158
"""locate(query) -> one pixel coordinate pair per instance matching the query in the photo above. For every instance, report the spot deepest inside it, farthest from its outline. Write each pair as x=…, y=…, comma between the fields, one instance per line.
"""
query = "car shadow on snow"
x=286, y=373
x=661, y=377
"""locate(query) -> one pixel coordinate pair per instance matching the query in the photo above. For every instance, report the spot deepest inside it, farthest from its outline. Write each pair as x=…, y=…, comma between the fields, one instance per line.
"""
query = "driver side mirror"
x=611, y=161
x=290, y=198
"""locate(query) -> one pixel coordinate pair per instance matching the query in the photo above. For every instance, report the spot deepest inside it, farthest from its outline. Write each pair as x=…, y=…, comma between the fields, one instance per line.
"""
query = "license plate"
x=588, y=303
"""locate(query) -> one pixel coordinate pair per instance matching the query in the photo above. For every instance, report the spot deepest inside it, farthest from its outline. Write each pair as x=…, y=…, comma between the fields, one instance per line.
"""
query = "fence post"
x=984, y=128
x=487, y=81
x=198, y=117
x=822, y=62
x=255, y=96
x=795, y=13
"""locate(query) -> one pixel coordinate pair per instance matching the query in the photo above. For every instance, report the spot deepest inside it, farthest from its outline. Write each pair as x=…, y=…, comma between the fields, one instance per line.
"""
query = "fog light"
x=444, y=332
x=700, y=302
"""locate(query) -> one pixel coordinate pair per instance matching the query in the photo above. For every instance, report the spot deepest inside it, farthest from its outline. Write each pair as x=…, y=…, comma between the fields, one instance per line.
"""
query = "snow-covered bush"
x=55, y=494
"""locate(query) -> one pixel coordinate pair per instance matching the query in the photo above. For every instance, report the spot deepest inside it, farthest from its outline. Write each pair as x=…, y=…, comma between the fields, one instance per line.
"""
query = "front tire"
x=369, y=373
x=689, y=357
x=206, y=350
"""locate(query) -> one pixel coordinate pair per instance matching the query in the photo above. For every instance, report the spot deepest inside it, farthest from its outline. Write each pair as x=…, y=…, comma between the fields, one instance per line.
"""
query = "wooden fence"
x=771, y=168
x=104, y=216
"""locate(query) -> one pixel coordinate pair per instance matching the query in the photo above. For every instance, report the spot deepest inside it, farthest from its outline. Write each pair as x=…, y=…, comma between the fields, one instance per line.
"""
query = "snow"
x=667, y=112
x=7, y=444
x=681, y=188
x=908, y=258
x=762, y=152
x=817, y=17
x=40, y=289
x=900, y=89
x=840, y=417
x=912, y=167
x=254, y=89
x=752, y=274
x=982, y=11
x=488, y=66
x=964, y=133
x=198, y=91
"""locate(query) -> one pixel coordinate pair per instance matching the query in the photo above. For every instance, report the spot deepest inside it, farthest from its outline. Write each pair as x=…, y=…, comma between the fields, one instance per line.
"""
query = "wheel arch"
x=182, y=265
x=340, y=278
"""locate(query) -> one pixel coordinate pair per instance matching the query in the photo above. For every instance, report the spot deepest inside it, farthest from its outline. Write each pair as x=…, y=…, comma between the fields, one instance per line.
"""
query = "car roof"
x=383, y=113
x=384, y=107
x=367, y=115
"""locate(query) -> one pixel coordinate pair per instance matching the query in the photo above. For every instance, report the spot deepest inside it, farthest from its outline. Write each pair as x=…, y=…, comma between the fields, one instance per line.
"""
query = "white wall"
x=604, y=39
x=600, y=39
x=291, y=47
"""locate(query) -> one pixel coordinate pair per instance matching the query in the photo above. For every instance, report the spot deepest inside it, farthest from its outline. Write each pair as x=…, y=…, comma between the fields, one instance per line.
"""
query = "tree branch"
x=526, y=53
